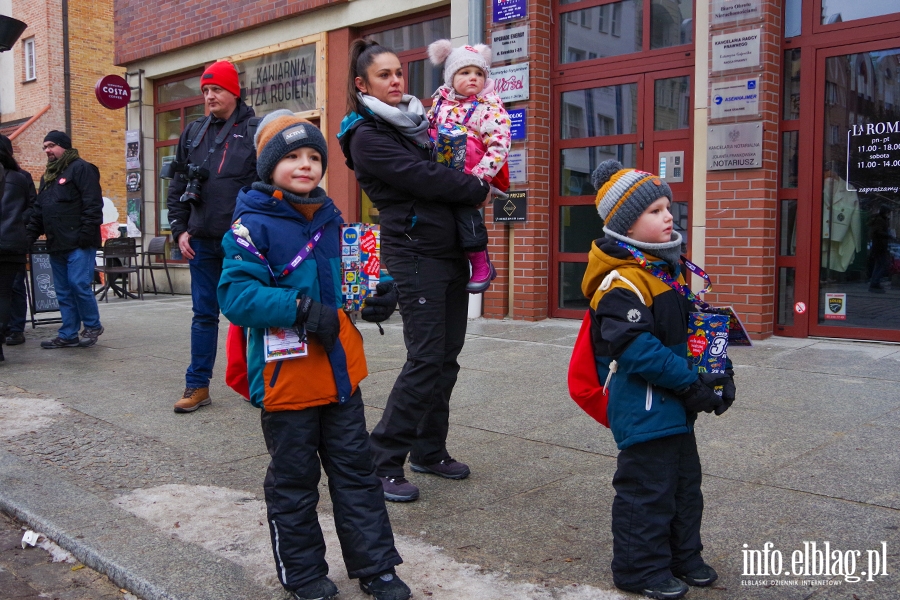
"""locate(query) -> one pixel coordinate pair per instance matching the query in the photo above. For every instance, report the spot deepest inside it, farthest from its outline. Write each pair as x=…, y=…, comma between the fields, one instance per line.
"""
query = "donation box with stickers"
x=360, y=263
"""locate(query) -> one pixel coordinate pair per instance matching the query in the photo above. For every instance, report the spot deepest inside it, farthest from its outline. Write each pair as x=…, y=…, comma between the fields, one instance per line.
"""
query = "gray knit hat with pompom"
x=624, y=194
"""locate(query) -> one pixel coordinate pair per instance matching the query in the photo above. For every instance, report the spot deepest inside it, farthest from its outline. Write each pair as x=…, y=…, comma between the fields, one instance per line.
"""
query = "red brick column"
x=531, y=256
x=741, y=205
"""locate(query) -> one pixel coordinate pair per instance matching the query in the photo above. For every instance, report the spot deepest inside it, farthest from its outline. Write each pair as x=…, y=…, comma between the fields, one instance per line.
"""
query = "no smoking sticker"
x=800, y=308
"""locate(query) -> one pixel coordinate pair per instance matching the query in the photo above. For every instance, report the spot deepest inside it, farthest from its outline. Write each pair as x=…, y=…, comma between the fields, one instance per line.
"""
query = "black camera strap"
x=223, y=133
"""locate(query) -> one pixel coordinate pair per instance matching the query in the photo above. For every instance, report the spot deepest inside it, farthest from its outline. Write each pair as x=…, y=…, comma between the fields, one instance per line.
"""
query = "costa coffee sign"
x=113, y=92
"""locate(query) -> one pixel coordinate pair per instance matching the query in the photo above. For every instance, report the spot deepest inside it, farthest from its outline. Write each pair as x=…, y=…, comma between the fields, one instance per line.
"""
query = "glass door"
x=636, y=120
x=857, y=193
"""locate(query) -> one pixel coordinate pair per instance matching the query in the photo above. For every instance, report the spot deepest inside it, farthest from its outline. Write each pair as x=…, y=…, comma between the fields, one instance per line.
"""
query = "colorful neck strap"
x=291, y=266
x=437, y=109
x=668, y=279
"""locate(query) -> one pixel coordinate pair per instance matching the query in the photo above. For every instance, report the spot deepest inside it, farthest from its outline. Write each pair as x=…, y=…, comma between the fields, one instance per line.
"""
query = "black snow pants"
x=434, y=306
x=297, y=440
x=470, y=228
x=657, y=511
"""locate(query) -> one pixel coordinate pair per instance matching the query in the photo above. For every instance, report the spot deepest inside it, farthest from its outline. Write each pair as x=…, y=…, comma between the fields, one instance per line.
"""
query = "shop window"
x=790, y=159
x=579, y=226
x=620, y=27
x=577, y=164
x=30, y=68
x=841, y=11
x=179, y=102
x=786, y=276
x=280, y=80
x=570, y=277
x=671, y=23
x=790, y=100
x=792, y=17
x=680, y=211
x=614, y=108
x=672, y=100
x=787, y=239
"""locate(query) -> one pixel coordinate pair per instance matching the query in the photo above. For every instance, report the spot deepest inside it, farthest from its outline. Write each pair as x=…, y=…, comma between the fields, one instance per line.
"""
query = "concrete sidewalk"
x=170, y=506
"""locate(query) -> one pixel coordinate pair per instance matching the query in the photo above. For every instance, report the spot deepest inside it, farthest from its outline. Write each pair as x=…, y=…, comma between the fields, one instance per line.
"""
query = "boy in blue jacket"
x=281, y=279
x=639, y=332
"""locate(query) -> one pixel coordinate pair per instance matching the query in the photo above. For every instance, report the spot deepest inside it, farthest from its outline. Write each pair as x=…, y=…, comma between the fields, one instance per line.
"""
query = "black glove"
x=85, y=240
x=381, y=306
x=318, y=319
x=728, y=392
x=699, y=396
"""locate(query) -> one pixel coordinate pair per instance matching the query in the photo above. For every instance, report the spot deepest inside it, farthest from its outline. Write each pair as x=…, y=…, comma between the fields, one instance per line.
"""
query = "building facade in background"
x=775, y=123
x=47, y=82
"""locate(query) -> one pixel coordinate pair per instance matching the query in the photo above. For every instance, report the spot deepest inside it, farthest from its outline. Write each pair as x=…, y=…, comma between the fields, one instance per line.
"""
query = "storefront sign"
x=735, y=99
x=43, y=292
x=511, y=82
x=517, y=127
x=509, y=10
x=735, y=50
x=836, y=307
x=873, y=157
x=510, y=44
x=734, y=146
x=512, y=209
x=517, y=162
x=113, y=92
x=728, y=11
x=280, y=80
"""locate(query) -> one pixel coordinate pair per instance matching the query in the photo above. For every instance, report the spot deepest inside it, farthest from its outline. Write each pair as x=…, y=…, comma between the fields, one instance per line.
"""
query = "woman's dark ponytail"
x=362, y=54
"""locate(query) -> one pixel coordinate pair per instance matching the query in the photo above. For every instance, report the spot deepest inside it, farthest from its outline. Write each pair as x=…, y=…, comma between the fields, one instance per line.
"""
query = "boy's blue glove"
x=319, y=319
x=699, y=396
x=381, y=306
x=728, y=391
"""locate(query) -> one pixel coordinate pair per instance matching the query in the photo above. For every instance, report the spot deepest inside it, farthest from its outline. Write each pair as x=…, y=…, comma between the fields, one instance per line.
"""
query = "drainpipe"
x=476, y=22
x=67, y=75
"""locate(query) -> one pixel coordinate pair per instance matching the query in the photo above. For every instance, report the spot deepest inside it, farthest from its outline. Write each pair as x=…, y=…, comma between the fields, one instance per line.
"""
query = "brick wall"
x=97, y=132
x=146, y=27
x=741, y=205
x=531, y=254
x=44, y=24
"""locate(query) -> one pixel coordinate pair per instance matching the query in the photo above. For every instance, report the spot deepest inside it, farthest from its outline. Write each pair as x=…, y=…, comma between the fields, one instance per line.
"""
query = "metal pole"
x=476, y=22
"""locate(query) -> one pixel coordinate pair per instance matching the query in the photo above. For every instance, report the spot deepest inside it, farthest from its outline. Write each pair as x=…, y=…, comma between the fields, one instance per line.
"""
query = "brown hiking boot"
x=193, y=399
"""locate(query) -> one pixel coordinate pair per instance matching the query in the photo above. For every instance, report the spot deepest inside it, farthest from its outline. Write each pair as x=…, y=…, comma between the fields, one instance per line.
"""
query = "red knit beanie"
x=222, y=74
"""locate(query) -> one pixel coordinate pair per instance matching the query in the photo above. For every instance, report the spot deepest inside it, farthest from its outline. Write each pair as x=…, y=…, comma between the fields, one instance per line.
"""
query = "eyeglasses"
x=49, y=146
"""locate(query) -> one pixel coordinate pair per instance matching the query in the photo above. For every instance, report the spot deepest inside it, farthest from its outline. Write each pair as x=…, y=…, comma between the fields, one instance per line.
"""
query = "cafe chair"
x=156, y=248
x=119, y=261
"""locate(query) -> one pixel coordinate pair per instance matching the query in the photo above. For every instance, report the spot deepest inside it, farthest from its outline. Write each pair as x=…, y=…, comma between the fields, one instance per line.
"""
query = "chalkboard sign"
x=873, y=158
x=43, y=293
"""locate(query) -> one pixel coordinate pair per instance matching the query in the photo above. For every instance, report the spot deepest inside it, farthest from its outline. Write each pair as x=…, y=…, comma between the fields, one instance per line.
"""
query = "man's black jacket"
x=231, y=165
x=69, y=209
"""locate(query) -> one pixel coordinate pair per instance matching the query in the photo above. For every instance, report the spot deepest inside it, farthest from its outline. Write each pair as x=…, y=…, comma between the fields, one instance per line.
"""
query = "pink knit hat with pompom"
x=454, y=59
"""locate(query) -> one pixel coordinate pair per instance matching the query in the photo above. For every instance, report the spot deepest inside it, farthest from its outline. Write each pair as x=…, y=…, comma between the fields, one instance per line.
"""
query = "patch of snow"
x=232, y=524
x=22, y=415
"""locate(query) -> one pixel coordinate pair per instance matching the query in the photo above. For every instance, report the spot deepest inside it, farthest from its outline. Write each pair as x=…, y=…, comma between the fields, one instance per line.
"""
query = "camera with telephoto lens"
x=194, y=175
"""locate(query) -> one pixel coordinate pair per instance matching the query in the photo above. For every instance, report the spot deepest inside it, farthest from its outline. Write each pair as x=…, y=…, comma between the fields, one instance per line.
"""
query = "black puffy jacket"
x=69, y=209
x=231, y=166
x=414, y=195
x=16, y=204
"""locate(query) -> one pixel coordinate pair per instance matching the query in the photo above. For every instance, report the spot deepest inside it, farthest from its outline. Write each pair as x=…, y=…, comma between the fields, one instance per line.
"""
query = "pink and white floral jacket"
x=489, y=124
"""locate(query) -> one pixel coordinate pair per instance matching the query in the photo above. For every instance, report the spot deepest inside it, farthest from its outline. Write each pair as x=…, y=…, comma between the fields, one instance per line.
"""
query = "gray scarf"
x=408, y=117
x=668, y=251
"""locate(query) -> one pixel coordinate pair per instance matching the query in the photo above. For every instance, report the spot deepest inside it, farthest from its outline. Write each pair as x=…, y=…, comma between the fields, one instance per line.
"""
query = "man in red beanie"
x=214, y=159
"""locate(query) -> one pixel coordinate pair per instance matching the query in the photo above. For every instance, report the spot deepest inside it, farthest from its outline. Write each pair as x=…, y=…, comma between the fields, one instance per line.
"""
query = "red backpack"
x=236, y=361
x=584, y=381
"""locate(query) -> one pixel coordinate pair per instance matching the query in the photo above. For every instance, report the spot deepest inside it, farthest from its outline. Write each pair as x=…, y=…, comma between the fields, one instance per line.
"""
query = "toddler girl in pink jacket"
x=468, y=98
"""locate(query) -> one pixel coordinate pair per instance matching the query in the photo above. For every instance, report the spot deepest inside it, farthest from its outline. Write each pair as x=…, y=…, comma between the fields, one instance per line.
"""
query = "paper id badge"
x=283, y=342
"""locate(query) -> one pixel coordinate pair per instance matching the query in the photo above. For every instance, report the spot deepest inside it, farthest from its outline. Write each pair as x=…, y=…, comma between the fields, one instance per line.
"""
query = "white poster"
x=735, y=50
x=509, y=44
x=133, y=149
x=511, y=82
x=517, y=166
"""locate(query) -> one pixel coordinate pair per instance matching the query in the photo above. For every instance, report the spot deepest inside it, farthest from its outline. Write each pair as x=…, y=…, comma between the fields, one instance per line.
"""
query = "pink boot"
x=483, y=272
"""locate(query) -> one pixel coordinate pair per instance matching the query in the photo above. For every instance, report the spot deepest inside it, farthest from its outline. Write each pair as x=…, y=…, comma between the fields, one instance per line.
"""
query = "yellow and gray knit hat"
x=280, y=132
x=624, y=194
